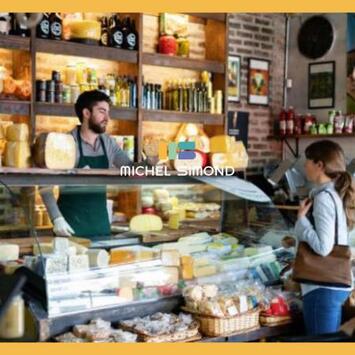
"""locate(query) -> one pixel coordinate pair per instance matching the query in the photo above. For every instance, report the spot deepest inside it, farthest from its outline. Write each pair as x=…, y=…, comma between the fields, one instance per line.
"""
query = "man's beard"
x=96, y=127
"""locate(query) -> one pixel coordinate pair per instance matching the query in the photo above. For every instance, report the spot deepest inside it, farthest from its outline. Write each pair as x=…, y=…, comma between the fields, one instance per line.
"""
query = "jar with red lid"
x=167, y=45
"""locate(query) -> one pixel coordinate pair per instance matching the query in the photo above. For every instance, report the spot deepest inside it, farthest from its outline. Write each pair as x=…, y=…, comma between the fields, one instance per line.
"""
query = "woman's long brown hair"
x=333, y=159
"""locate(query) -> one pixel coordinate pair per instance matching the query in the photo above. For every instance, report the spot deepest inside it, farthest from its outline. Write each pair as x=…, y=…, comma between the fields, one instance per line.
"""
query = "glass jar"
x=12, y=325
x=183, y=47
x=167, y=45
x=70, y=74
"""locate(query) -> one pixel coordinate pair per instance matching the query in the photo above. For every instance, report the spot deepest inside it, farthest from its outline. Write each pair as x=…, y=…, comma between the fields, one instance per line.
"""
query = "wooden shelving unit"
x=211, y=56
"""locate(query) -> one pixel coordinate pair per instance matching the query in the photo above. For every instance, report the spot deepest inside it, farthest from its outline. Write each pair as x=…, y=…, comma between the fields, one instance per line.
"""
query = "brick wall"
x=260, y=36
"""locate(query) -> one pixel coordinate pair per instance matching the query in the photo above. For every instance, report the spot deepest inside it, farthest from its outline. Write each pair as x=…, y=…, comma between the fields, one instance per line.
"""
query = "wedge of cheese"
x=146, y=223
x=55, y=151
x=17, y=154
x=236, y=160
x=17, y=133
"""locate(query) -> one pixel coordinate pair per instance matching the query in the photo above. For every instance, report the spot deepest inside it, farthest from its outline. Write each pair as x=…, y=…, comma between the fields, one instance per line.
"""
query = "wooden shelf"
x=21, y=227
x=15, y=42
x=164, y=60
x=85, y=50
x=190, y=117
x=15, y=107
x=219, y=16
x=67, y=110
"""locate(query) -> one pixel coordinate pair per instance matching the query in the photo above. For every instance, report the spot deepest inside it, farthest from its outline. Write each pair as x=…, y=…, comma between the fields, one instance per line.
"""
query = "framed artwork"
x=321, y=85
x=234, y=78
x=258, y=81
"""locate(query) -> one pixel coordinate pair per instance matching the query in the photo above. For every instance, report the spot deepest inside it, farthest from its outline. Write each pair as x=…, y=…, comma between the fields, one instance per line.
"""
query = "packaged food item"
x=9, y=252
x=339, y=122
x=167, y=45
x=349, y=123
x=98, y=257
x=183, y=47
x=78, y=263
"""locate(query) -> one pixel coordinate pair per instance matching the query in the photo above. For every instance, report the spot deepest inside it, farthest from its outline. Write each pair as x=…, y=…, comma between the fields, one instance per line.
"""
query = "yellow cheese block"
x=207, y=270
x=146, y=223
x=18, y=133
x=17, y=155
x=121, y=256
x=221, y=144
x=187, y=267
x=126, y=294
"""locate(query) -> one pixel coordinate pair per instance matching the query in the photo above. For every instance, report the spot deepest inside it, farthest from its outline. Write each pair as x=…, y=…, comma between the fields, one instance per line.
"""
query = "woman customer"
x=333, y=202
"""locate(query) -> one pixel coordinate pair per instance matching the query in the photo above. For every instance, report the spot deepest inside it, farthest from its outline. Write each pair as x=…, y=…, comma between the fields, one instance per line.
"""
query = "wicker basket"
x=274, y=321
x=191, y=334
x=213, y=326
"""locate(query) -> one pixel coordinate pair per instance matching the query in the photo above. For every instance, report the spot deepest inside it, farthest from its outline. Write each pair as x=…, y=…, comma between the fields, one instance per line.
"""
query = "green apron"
x=84, y=207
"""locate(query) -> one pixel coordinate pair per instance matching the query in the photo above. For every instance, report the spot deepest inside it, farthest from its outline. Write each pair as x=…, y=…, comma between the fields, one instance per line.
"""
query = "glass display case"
x=225, y=231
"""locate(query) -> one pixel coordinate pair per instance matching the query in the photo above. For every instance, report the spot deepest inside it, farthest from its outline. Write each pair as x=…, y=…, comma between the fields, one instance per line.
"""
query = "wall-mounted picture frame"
x=258, y=81
x=321, y=85
x=234, y=78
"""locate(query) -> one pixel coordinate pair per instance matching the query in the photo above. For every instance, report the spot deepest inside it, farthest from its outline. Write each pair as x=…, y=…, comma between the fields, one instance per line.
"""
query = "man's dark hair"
x=88, y=99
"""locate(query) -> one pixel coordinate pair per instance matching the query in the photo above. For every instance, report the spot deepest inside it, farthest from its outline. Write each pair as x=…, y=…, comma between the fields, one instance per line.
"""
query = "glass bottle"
x=12, y=324
x=104, y=39
x=181, y=96
x=117, y=34
x=56, y=28
x=42, y=29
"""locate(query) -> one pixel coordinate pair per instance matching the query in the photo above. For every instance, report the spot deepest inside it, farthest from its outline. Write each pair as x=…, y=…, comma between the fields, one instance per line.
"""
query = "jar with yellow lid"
x=183, y=47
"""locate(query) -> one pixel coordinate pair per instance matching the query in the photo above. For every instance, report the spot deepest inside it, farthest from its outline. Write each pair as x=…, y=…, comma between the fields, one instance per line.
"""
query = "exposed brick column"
x=261, y=36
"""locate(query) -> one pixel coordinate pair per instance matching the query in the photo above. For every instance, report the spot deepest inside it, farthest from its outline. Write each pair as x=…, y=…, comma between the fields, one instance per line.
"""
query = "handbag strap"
x=336, y=241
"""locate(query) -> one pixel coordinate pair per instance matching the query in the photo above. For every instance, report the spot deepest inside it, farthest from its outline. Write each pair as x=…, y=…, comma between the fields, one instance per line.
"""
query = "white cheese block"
x=9, y=252
x=80, y=249
x=60, y=245
x=78, y=263
x=54, y=264
x=98, y=258
x=170, y=257
x=146, y=223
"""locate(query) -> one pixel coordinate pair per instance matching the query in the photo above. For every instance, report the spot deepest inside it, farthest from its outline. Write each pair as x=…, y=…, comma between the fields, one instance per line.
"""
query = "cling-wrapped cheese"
x=18, y=133
x=146, y=223
x=54, y=151
x=17, y=155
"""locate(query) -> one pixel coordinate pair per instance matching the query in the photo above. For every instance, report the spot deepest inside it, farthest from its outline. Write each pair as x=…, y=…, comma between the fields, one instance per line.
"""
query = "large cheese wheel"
x=18, y=133
x=54, y=151
x=146, y=223
x=9, y=252
x=17, y=154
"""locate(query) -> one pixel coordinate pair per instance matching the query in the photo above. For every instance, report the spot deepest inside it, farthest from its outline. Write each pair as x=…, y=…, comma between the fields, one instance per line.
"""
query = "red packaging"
x=298, y=125
x=308, y=122
x=290, y=121
x=282, y=122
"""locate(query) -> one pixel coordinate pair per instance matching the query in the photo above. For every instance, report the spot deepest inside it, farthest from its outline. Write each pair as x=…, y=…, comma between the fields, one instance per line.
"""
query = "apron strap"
x=81, y=146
